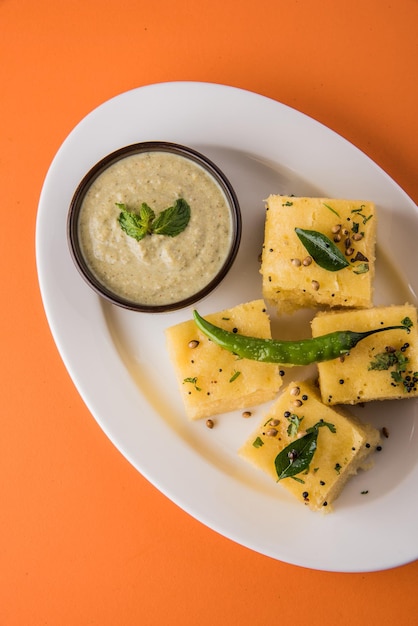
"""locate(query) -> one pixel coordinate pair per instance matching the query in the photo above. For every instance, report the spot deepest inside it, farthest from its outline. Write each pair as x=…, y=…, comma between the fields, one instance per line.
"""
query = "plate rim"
x=94, y=306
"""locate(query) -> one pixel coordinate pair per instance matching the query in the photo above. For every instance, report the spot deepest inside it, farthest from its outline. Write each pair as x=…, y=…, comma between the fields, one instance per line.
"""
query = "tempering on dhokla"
x=308, y=448
x=383, y=366
x=212, y=380
x=318, y=252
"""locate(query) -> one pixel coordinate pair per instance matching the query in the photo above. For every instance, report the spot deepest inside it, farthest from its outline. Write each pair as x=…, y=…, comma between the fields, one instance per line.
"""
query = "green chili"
x=302, y=352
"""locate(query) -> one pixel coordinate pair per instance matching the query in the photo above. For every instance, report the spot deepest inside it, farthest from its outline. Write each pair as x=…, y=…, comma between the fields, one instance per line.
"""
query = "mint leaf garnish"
x=170, y=222
x=136, y=225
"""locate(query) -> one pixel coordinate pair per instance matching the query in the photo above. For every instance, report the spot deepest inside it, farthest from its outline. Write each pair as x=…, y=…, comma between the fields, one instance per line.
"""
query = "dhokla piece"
x=282, y=443
x=381, y=367
x=292, y=279
x=213, y=380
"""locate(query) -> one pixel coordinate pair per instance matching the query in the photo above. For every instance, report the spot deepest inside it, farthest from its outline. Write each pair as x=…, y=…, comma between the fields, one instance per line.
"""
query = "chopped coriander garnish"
x=234, y=376
x=294, y=424
x=397, y=360
x=193, y=381
x=363, y=268
x=407, y=322
x=331, y=209
x=359, y=212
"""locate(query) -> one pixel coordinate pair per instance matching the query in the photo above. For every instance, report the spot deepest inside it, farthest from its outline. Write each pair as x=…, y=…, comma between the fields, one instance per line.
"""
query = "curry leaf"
x=323, y=251
x=296, y=456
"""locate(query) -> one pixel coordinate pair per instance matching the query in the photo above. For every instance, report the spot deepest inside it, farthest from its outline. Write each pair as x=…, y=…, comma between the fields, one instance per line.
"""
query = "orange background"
x=84, y=538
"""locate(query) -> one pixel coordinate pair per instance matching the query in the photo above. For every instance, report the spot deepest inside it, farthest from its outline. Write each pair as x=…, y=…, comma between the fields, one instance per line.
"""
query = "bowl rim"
x=110, y=159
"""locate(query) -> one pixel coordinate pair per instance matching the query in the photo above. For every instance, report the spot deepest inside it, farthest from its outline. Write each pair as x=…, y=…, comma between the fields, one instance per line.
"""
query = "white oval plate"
x=118, y=361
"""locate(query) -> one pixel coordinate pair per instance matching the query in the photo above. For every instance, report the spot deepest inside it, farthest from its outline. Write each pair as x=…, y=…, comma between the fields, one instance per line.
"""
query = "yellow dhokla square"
x=382, y=366
x=292, y=279
x=213, y=380
x=343, y=444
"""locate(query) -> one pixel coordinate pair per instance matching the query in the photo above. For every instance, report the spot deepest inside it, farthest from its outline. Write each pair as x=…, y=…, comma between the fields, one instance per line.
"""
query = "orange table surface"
x=84, y=538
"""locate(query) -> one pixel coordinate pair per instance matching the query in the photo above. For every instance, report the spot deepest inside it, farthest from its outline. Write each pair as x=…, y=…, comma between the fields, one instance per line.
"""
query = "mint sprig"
x=136, y=225
x=170, y=222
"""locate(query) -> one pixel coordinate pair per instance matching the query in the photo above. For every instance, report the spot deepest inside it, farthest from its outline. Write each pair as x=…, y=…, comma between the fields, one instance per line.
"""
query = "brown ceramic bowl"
x=195, y=167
